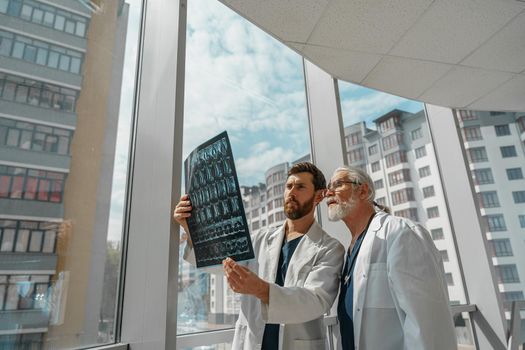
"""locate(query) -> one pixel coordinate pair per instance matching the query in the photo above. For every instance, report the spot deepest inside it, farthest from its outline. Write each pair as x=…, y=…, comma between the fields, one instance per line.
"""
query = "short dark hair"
x=306, y=167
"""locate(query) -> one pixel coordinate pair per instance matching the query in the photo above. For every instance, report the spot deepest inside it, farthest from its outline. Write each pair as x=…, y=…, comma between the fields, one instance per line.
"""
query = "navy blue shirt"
x=271, y=331
x=345, y=306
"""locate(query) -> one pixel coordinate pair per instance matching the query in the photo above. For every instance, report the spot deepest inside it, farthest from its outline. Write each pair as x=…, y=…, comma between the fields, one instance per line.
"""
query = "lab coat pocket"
x=313, y=344
x=377, y=291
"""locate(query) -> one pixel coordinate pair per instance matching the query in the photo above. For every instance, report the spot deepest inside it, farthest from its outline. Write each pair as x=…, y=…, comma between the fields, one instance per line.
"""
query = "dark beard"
x=302, y=210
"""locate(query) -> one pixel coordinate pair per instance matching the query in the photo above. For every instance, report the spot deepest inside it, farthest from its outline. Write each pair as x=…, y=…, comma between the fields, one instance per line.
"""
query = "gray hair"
x=361, y=177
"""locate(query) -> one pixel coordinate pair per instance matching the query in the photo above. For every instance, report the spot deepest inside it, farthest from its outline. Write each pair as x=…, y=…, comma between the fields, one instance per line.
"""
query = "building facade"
x=60, y=75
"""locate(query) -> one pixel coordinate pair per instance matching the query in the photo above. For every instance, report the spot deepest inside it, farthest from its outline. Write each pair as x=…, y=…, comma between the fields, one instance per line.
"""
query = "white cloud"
x=369, y=106
x=258, y=163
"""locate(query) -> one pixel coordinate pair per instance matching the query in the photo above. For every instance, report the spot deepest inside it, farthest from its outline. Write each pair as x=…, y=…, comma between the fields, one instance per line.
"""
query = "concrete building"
x=60, y=76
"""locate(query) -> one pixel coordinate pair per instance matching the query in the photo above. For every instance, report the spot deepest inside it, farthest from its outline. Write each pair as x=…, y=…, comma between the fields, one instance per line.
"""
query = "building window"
x=519, y=196
x=398, y=177
x=488, y=199
x=395, y=158
x=416, y=134
x=472, y=133
x=502, y=130
x=507, y=273
x=449, y=279
x=501, y=247
x=378, y=184
x=482, y=176
x=514, y=174
x=420, y=152
x=477, y=154
x=388, y=124
x=255, y=212
x=376, y=166
x=522, y=220
x=402, y=196
x=255, y=225
x=444, y=255
x=437, y=234
x=424, y=171
x=428, y=191
x=512, y=296
x=495, y=222
x=373, y=149
x=392, y=141
x=356, y=155
x=508, y=151
x=410, y=213
x=31, y=184
x=468, y=115
x=354, y=138
x=381, y=201
x=433, y=212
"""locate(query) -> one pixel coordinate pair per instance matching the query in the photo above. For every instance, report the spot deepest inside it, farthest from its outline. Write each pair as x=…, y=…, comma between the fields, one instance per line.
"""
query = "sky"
x=241, y=80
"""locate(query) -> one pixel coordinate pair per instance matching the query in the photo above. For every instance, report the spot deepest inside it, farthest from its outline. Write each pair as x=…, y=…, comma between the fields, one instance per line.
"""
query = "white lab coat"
x=400, y=295
x=310, y=287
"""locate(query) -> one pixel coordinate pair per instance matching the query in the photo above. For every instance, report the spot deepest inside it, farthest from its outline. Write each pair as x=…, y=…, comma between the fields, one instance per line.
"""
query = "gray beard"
x=338, y=211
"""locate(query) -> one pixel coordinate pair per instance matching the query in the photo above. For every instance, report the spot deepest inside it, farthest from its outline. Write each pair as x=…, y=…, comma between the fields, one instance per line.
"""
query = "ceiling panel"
x=372, y=26
x=353, y=66
x=392, y=72
x=508, y=97
x=452, y=29
x=288, y=20
x=463, y=85
x=505, y=51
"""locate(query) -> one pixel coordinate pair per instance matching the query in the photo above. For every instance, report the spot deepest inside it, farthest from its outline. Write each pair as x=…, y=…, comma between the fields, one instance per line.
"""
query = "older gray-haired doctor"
x=393, y=293
x=294, y=278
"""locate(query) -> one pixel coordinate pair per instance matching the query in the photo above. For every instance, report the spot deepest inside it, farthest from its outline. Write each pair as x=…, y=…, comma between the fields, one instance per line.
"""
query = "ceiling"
x=457, y=53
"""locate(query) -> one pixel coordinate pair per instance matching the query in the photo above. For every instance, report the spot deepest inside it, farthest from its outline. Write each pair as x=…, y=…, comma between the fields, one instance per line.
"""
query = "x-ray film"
x=218, y=227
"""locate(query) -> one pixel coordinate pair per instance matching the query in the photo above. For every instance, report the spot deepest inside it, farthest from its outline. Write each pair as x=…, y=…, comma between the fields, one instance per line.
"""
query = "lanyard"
x=361, y=238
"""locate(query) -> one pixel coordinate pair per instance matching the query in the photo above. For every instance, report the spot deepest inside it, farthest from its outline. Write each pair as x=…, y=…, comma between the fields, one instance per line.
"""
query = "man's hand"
x=244, y=281
x=183, y=211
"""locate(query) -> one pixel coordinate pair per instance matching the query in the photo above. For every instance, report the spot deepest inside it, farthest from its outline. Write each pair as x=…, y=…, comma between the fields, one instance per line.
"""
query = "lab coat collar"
x=307, y=248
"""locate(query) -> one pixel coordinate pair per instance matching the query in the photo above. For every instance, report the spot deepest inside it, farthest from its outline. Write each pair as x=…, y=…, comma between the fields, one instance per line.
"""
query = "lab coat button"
x=364, y=275
x=358, y=309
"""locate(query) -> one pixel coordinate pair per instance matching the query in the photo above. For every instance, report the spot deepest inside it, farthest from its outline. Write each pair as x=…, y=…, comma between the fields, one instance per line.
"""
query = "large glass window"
x=62, y=202
x=254, y=89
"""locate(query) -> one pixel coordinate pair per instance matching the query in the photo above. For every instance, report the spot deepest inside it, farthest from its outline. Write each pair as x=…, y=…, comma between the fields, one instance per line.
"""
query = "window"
x=428, y=191
x=395, y=158
x=488, y=199
x=507, y=273
x=424, y=171
x=398, y=177
x=512, y=296
x=392, y=141
x=378, y=184
x=437, y=234
x=433, y=212
x=477, y=154
x=354, y=138
x=416, y=134
x=376, y=166
x=444, y=255
x=420, y=152
x=449, y=279
x=468, y=115
x=356, y=155
x=402, y=196
x=514, y=174
x=495, y=222
x=501, y=247
x=410, y=213
x=472, y=133
x=373, y=149
x=519, y=196
x=522, y=220
x=381, y=201
x=502, y=130
x=508, y=151
x=482, y=176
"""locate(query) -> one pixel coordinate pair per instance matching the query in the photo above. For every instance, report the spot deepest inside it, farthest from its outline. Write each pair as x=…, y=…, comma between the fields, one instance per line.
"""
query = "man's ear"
x=319, y=196
x=363, y=191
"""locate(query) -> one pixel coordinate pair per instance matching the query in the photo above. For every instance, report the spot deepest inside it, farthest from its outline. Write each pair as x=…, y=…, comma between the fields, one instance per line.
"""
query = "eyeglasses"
x=337, y=185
